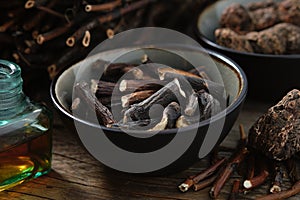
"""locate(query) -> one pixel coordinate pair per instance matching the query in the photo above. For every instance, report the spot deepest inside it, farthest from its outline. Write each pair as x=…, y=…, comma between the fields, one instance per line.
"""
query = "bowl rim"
x=224, y=113
x=211, y=43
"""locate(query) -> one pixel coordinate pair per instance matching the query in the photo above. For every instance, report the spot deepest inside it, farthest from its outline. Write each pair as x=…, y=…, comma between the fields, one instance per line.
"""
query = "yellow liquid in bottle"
x=25, y=161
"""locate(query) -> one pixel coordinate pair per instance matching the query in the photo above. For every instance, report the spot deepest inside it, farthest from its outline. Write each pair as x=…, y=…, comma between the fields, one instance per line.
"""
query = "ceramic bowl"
x=270, y=76
x=232, y=75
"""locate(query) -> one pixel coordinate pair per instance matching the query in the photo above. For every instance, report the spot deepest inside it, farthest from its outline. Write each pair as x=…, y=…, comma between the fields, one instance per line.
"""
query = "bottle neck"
x=12, y=98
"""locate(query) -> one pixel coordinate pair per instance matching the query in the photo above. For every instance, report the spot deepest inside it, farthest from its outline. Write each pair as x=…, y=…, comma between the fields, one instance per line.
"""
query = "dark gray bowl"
x=234, y=81
x=270, y=76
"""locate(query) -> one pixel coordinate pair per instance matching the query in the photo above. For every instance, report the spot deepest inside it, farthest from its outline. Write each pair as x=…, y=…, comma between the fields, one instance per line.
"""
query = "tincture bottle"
x=25, y=131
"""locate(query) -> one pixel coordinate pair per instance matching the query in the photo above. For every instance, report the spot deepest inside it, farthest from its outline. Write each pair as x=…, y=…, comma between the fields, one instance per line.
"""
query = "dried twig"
x=103, y=7
x=189, y=182
x=234, y=162
x=284, y=194
x=226, y=173
x=235, y=190
x=103, y=19
x=41, y=38
x=205, y=183
x=256, y=180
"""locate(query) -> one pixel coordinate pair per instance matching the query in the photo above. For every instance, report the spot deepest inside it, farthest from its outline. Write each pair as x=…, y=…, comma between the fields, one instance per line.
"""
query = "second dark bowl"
x=270, y=76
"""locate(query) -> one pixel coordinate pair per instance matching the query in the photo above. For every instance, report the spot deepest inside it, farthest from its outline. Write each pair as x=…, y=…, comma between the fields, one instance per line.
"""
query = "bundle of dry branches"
x=52, y=34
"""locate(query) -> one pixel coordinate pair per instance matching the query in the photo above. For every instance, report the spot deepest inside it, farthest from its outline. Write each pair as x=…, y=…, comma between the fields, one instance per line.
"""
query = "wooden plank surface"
x=77, y=175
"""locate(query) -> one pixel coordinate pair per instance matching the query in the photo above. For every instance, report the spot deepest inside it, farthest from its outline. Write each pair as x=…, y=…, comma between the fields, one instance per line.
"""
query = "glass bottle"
x=25, y=131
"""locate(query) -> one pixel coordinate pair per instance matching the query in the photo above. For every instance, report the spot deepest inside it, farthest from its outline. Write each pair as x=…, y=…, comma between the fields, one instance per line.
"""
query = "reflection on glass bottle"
x=25, y=131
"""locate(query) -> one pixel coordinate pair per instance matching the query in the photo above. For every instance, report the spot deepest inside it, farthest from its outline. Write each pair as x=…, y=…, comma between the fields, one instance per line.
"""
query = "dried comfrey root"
x=276, y=134
x=283, y=38
x=257, y=16
x=135, y=92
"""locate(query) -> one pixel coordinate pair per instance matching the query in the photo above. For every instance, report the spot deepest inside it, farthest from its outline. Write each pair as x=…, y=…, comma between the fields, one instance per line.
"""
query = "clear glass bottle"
x=25, y=131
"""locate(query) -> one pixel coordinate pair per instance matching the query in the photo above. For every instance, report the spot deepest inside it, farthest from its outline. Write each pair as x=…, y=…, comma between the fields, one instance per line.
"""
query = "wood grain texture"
x=77, y=175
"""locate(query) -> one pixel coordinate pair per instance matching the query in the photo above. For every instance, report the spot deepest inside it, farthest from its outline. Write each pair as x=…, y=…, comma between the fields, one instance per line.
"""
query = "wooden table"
x=77, y=175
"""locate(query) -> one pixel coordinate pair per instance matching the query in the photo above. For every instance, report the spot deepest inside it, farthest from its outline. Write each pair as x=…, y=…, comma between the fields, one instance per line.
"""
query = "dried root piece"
x=194, y=81
x=170, y=92
x=206, y=103
x=289, y=11
x=264, y=16
x=135, y=97
x=282, y=38
x=162, y=72
x=192, y=105
x=170, y=115
x=134, y=124
x=114, y=71
x=228, y=38
x=261, y=27
x=201, y=72
x=102, y=88
x=182, y=122
x=85, y=94
x=140, y=85
x=237, y=18
x=276, y=133
x=257, y=16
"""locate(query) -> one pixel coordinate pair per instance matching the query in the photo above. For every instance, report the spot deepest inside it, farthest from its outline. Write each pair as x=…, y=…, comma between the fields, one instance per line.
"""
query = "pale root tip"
x=138, y=73
x=247, y=184
x=94, y=86
x=125, y=101
x=161, y=125
x=275, y=189
x=52, y=71
x=122, y=86
x=29, y=4
x=40, y=39
x=161, y=74
x=179, y=86
x=110, y=33
x=183, y=187
x=70, y=41
x=181, y=122
x=144, y=58
x=88, y=8
x=86, y=39
x=75, y=104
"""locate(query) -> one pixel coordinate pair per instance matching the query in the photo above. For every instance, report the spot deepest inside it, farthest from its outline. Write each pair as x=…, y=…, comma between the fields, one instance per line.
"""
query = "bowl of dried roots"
x=147, y=98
